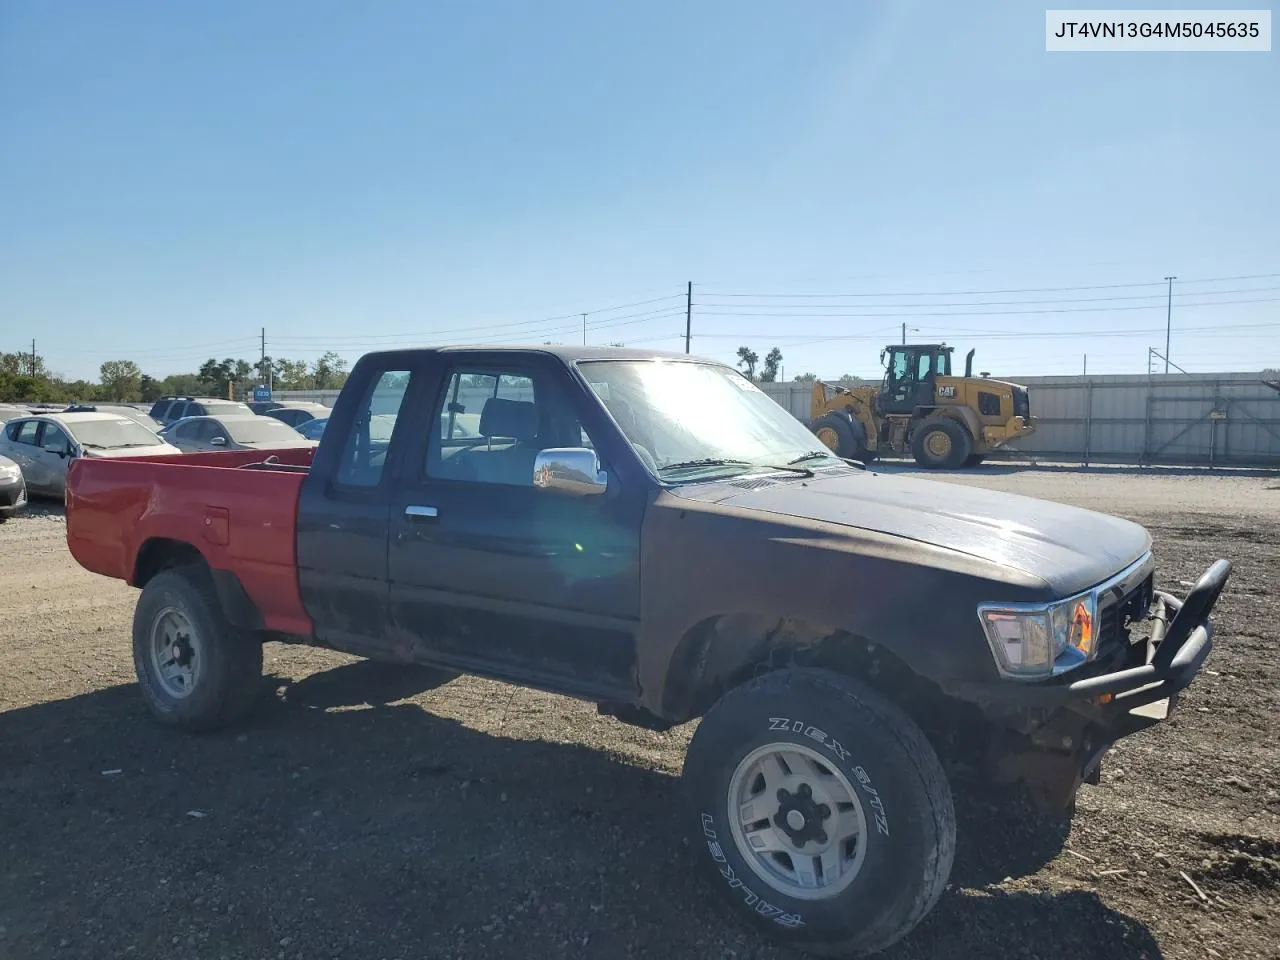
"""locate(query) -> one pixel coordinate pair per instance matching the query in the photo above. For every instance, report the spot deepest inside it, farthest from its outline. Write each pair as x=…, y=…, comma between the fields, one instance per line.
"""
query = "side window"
x=365, y=451
x=54, y=440
x=490, y=426
x=158, y=408
x=924, y=367
x=195, y=410
x=898, y=370
x=177, y=411
x=27, y=432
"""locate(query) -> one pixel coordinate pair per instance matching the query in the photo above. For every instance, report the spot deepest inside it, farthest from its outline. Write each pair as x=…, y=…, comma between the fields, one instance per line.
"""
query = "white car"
x=13, y=490
x=43, y=446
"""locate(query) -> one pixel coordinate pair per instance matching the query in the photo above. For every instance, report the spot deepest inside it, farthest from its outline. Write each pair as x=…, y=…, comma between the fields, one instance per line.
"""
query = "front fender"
x=809, y=579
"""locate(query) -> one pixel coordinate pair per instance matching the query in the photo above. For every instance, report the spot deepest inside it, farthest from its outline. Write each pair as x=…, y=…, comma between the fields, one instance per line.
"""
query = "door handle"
x=420, y=512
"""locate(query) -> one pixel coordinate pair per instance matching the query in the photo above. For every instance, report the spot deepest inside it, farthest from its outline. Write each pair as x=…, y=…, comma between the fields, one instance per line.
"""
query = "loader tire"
x=834, y=428
x=941, y=444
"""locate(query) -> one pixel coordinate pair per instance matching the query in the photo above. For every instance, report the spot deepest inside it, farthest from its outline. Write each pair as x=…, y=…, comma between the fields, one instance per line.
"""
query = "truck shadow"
x=341, y=821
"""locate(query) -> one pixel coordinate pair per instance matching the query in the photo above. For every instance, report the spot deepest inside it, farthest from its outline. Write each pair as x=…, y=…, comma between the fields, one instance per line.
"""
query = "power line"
x=988, y=303
x=968, y=293
x=995, y=335
x=990, y=313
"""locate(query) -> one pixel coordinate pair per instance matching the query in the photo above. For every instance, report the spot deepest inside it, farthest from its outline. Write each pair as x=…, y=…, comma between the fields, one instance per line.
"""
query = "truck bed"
x=239, y=511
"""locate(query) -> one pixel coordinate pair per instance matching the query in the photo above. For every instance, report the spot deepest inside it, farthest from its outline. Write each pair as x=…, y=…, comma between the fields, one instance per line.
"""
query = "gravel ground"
x=377, y=812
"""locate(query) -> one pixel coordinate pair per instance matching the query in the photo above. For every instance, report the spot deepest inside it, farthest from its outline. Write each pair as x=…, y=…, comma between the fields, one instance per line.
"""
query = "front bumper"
x=1055, y=733
x=13, y=495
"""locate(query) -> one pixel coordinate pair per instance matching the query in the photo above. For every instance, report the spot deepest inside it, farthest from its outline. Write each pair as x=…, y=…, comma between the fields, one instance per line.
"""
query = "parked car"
x=653, y=533
x=313, y=429
x=247, y=432
x=169, y=410
x=44, y=446
x=120, y=409
x=13, y=489
x=296, y=413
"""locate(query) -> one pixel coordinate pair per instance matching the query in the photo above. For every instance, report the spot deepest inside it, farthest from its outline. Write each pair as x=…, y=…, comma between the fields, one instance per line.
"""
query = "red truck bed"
x=242, y=519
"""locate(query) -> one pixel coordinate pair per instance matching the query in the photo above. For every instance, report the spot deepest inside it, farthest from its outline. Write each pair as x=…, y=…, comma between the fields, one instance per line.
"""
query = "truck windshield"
x=688, y=420
x=113, y=434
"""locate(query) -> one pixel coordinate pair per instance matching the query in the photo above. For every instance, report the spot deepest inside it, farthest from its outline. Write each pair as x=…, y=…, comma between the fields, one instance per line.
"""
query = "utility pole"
x=33, y=356
x=688, y=315
x=1086, y=365
x=1168, y=323
x=904, y=334
x=584, y=329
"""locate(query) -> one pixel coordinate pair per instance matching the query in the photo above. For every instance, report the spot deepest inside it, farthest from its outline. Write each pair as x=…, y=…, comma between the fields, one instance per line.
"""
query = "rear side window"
x=159, y=407
x=364, y=452
x=26, y=432
x=176, y=411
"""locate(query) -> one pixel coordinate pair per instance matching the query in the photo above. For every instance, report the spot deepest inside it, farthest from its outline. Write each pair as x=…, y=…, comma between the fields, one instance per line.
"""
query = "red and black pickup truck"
x=653, y=533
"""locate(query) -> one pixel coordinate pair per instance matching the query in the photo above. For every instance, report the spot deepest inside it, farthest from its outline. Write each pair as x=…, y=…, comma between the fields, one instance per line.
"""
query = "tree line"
x=771, y=372
x=24, y=377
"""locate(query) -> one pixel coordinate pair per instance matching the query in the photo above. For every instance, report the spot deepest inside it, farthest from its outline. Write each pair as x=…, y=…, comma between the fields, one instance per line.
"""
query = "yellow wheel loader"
x=943, y=421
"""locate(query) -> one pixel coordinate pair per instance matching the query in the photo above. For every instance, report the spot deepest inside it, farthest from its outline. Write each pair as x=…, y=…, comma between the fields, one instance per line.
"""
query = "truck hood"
x=1068, y=548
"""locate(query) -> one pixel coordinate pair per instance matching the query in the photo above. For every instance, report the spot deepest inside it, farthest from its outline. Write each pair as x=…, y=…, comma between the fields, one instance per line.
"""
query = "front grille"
x=1021, y=403
x=1116, y=613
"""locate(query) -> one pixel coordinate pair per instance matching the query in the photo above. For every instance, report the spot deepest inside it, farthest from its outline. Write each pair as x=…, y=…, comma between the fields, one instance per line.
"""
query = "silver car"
x=251, y=432
x=13, y=489
x=44, y=446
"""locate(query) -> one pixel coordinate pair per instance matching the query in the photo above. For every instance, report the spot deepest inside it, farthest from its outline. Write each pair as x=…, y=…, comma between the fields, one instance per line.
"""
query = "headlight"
x=10, y=472
x=1033, y=641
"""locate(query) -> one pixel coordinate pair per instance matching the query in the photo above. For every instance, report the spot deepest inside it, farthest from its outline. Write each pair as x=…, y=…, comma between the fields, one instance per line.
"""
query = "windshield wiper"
x=720, y=462
x=705, y=462
x=812, y=455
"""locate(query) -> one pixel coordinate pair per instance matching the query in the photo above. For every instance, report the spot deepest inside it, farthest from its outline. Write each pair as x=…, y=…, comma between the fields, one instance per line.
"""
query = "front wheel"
x=941, y=444
x=820, y=812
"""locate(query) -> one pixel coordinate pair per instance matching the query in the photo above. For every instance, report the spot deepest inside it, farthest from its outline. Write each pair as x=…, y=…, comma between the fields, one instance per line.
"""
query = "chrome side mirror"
x=572, y=470
x=218, y=441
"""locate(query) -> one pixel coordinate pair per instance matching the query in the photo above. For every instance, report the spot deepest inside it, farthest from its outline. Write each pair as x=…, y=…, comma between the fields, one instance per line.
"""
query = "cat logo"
x=946, y=391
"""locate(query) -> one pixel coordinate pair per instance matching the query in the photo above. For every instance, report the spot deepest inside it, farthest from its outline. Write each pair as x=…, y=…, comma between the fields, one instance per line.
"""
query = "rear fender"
x=159, y=554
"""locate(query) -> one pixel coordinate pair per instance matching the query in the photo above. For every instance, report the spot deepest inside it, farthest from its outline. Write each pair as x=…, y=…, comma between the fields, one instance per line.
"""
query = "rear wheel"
x=196, y=671
x=820, y=812
x=941, y=444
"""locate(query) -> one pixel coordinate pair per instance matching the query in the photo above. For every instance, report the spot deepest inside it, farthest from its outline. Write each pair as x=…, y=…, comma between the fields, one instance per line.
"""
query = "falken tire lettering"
x=760, y=906
x=788, y=725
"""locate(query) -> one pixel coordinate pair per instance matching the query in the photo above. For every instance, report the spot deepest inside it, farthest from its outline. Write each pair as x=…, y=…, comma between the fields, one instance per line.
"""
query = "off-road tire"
x=959, y=451
x=846, y=441
x=230, y=675
x=910, y=820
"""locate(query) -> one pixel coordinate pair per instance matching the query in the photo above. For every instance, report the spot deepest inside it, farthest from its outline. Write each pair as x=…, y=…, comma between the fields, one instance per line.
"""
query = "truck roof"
x=567, y=352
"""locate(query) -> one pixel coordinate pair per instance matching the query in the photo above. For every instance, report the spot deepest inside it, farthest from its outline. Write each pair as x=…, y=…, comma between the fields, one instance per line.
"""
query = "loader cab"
x=910, y=375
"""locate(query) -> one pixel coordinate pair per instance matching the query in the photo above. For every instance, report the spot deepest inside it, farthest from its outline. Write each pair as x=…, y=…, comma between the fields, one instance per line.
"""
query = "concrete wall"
x=1212, y=419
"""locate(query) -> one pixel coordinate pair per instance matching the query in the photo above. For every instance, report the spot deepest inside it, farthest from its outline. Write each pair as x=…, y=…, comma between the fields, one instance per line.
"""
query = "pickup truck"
x=652, y=533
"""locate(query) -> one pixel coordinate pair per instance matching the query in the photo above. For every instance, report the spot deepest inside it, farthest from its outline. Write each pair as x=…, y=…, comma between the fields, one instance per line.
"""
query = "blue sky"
x=175, y=176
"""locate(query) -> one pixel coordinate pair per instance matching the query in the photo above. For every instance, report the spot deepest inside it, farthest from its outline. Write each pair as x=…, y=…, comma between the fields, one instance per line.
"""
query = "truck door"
x=343, y=510
x=492, y=574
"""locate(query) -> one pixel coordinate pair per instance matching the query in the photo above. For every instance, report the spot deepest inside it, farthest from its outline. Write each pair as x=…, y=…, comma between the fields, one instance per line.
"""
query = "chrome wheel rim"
x=175, y=652
x=797, y=821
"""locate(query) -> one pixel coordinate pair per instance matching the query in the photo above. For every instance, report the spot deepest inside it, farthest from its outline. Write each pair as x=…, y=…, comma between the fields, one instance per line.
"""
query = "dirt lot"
x=368, y=812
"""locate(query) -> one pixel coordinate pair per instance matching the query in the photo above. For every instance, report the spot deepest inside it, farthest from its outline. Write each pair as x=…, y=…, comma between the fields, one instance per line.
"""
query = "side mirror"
x=218, y=442
x=57, y=449
x=571, y=470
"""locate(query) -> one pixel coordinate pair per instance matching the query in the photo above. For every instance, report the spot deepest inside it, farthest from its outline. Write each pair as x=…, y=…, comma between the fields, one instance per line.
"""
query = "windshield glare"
x=112, y=434
x=260, y=430
x=676, y=412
